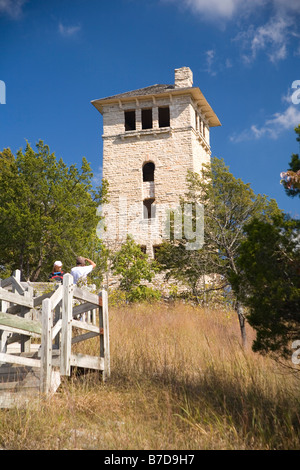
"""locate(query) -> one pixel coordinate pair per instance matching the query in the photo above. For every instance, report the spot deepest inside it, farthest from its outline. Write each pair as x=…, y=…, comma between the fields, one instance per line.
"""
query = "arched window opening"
x=148, y=171
x=148, y=209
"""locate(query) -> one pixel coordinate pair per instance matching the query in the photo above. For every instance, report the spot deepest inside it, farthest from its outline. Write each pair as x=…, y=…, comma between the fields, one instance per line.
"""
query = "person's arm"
x=91, y=262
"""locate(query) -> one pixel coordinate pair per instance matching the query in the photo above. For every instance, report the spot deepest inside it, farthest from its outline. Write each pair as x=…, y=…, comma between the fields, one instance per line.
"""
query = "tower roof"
x=161, y=91
x=149, y=90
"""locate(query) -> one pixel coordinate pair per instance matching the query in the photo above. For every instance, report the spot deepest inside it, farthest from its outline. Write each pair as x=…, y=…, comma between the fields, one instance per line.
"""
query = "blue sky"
x=58, y=56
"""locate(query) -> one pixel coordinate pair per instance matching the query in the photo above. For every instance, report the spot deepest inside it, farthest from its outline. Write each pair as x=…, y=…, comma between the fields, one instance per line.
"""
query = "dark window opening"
x=148, y=209
x=146, y=118
x=148, y=171
x=164, y=117
x=143, y=249
x=129, y=120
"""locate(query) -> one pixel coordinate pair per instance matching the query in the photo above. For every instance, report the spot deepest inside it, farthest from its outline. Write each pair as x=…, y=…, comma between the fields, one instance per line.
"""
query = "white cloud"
x=214, y=64
x=273, y=127
x=272, y=38
x=210, y=55
x=291, y=6
x=68, y=31
x=213, y=8
x=230, y=9
x=219, y=9
x=282, y=121
x=12, y=8
x=97, y=177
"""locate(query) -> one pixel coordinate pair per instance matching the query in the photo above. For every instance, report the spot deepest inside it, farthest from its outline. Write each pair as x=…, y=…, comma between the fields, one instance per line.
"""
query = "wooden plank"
x=66, y=329
x=56, y=297
x=17, y=275
x=15, y=298
x=39, y=300
x=94, y=315
x=88, y=362
x=46, y=349
x=85, y=295
x=56, y=328
x=26, y=340
x=14, y=338
x=84, y=337
x=105, y=336
x=57, y=324
x=82, y=308
x=4, y=335
x=85, y=326
x=55, y=381
x=10, y=329
x=24, y=361
x=16, y=309
x=16, y=324
x=11, y=281
x=55, y=352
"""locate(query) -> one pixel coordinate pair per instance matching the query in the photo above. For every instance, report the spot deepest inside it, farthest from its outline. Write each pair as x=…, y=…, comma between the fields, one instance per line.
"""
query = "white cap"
x=58, y=263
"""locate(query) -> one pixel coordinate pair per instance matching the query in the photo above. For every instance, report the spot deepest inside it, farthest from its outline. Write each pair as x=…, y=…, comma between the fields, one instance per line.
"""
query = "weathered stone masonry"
x=151, y=137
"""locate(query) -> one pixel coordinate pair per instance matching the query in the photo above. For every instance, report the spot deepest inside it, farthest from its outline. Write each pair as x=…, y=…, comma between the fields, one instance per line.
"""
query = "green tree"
x=186, y=266
x=291, y=177
x=268, y=282
x=268, y=279
x=48, y=211
x=133, y=267
x=229, y=204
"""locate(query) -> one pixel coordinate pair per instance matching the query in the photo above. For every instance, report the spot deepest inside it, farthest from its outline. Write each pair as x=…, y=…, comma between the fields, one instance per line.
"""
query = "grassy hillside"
x=180, y=380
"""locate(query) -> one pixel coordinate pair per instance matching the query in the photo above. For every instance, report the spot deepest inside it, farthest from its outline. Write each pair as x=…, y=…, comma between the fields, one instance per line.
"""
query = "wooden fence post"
x=66, y=329
x=46, y=348
x=104, y=339
x=4, y=335
x=17, y=275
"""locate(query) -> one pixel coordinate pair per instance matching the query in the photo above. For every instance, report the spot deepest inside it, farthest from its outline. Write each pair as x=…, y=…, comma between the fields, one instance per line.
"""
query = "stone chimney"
x=183, y=77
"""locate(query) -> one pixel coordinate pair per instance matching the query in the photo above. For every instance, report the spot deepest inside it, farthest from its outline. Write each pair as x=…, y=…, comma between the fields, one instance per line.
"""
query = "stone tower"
x=151, y=137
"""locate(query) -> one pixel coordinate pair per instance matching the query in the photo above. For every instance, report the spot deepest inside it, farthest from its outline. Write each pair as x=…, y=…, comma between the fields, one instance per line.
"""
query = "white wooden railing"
x=52, y=317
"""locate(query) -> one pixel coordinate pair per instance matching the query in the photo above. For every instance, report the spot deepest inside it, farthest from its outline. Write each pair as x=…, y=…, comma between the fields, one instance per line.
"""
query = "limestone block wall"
x=174, y=150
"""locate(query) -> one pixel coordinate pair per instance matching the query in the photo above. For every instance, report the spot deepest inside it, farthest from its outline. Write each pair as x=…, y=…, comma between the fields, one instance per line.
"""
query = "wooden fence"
x=52, y=318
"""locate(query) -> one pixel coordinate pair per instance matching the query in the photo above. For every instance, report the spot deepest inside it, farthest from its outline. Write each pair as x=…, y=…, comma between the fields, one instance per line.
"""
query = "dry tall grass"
x=180, y=380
